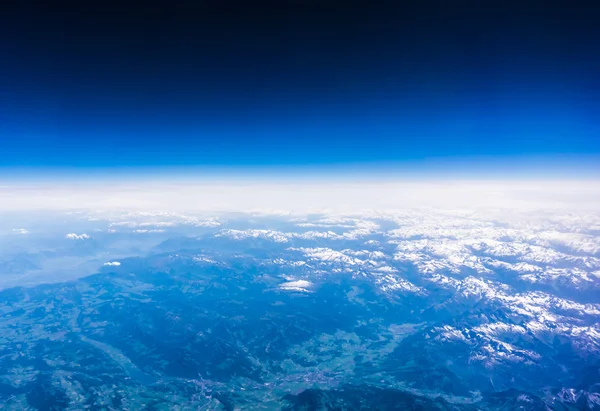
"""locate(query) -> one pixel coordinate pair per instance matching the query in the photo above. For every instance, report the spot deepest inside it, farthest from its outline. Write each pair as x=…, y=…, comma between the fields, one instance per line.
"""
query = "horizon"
x=477, y=167
x=517, y=183
x=301, y=195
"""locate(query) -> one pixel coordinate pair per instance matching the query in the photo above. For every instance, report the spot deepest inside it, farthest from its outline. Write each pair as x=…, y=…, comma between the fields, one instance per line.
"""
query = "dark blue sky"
x=296, y=82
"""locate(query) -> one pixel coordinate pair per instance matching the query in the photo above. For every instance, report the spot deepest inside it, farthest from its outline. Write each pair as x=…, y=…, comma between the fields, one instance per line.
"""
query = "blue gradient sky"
x=298, y=84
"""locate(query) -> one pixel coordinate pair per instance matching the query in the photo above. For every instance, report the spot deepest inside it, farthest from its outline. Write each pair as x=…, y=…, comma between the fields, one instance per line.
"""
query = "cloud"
x=300, y=196
x=299, y=285
x=20, y=231
x=73, y=236
x=113, y=263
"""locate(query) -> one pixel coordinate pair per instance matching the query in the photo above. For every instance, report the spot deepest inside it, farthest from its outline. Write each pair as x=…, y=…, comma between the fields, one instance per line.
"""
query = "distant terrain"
x=421, y=310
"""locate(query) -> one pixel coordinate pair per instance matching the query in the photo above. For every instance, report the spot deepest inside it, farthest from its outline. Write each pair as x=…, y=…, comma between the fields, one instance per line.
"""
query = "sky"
x=232, y=85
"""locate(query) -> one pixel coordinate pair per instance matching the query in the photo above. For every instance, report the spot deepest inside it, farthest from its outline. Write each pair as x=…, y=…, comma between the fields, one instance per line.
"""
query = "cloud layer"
x=301, y=196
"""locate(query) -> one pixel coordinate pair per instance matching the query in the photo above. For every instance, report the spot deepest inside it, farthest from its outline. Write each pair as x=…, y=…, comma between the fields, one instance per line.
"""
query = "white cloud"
x=299, y=196
x=74, y=236
x=20, y=231
x=299, y=285
x=113, y=263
